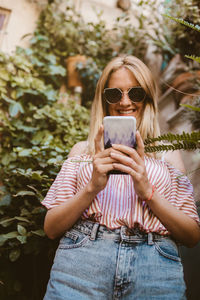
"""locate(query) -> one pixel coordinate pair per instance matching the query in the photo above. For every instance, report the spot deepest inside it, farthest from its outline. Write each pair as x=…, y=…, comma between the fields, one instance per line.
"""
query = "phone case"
x=119, y=130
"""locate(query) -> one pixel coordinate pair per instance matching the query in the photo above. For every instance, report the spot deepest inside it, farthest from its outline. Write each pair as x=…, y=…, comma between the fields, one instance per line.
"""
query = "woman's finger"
x=125, y=169
x=106, y=153
x=97, y=140
x=104, y=160
x=125, y=160
x=128, y=151
x=140, y=145
x=104, y=169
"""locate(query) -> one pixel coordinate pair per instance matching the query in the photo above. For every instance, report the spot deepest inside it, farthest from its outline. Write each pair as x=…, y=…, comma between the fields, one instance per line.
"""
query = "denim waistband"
x=125, y=234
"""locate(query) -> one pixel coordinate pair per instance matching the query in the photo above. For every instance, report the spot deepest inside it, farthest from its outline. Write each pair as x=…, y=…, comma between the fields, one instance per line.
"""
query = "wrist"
x=150, y=193
x=91, y=189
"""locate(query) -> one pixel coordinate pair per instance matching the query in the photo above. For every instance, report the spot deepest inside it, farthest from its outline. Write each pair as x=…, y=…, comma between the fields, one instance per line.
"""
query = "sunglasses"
x=114, y=95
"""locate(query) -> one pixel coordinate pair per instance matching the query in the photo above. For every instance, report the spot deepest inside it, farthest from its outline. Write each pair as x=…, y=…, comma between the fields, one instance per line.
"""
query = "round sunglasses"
x=114, y=95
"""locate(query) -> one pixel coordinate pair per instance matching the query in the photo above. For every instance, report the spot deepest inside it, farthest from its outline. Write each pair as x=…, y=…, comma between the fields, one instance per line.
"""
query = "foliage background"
x=37, y=132
x=36, y=136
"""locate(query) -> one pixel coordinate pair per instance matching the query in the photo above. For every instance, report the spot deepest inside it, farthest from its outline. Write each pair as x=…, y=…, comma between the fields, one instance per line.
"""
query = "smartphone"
x=119, y=130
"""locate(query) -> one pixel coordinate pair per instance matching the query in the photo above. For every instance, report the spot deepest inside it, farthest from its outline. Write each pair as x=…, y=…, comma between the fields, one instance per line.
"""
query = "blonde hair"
x=148, y=124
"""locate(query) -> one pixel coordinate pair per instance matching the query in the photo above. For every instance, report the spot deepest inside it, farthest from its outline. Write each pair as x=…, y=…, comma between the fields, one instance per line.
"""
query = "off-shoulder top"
x=118, y=204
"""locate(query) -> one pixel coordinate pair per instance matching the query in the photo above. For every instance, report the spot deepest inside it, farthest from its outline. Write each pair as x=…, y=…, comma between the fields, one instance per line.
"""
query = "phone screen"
x=119, y=130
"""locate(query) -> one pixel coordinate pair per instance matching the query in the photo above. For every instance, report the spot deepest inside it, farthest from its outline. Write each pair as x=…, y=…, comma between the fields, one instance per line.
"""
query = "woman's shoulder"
x=79, y=149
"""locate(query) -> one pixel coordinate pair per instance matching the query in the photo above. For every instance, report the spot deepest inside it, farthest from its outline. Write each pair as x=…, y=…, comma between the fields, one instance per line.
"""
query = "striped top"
x=118, y=203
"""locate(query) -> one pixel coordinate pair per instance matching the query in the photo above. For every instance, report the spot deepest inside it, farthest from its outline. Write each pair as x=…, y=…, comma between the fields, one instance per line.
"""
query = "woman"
x=120, y=232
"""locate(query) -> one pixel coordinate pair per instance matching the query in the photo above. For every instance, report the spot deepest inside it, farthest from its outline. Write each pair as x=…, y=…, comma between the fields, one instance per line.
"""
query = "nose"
x=125, y=100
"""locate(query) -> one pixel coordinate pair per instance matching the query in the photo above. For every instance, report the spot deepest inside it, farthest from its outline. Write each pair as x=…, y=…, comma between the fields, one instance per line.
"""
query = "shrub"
x=37, y=134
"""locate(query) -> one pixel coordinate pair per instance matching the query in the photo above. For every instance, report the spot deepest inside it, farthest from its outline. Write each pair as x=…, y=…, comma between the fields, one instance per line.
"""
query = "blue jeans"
x=93, y=262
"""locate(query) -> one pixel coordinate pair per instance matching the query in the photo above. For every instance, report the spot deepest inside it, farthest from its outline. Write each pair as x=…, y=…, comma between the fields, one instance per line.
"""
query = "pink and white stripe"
x=118, y=203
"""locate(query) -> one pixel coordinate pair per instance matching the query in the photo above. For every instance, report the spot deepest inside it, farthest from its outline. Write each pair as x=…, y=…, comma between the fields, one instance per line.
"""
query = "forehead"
x=122, y=78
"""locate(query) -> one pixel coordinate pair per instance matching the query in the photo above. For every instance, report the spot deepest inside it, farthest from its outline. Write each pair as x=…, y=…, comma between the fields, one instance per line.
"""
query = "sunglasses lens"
x=136, y=94
x=112, y=95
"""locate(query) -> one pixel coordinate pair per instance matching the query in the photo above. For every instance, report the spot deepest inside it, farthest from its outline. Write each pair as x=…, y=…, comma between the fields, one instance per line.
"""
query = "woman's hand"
x=133, y=164
x=102, y=164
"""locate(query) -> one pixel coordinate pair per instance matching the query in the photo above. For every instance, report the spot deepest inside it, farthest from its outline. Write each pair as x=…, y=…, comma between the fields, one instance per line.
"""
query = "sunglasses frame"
x=122, y=93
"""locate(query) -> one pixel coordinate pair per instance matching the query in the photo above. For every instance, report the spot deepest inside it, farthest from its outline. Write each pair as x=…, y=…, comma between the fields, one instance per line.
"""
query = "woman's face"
x=124, y=80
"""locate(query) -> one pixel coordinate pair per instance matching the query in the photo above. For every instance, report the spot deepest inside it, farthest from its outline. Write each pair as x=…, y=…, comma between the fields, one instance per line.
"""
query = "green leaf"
x=22, y=239
x=183, y=22
x=39, y=232
x=22, y=219
x=4, y=74
x=6, y=222
x=51, y=94
x=21, y=229
x=25, y=193
x=57, y=70
x=25, y=152
x=52, y=161
x=5, y=200
x=15, y=108
x=19, y=125
x=42, y=137
x=14, y=254
x=7, y=236
x=195, y=58
x=2, y=240
x=37, y=176
x=191, y=107
x=6, y=159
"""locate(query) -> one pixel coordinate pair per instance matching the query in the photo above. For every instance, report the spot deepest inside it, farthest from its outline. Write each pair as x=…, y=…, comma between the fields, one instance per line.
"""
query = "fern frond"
x=183, y=22
x=195, y=108
x=195, y=58
x=193, y=137
x=178, y=146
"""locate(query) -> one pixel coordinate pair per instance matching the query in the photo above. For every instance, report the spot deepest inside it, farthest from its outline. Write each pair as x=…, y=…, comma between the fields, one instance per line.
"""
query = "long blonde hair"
x=148, y=124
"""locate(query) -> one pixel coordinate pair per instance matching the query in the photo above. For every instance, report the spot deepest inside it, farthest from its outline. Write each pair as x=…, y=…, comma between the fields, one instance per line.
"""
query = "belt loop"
x=150, y=238
x=123, y=232
x=94, y=231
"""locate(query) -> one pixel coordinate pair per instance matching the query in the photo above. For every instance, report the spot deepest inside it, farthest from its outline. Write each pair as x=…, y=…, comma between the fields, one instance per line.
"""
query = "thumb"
x=97, y=140
x=140, y=145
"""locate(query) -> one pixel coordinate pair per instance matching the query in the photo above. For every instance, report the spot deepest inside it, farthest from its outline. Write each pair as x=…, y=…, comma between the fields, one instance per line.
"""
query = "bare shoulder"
x=78, y=149
x=174, y=158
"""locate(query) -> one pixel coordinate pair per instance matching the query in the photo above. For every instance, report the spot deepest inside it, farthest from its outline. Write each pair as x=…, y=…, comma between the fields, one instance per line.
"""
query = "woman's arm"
x=61, y=218
x=183, y=228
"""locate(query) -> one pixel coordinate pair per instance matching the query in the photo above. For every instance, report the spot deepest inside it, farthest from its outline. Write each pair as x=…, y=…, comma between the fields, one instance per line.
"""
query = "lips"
x=127, y=112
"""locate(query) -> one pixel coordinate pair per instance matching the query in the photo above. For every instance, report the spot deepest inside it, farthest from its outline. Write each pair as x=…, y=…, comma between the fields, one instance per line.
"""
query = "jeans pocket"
x=73, y=239
x=168, y=248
